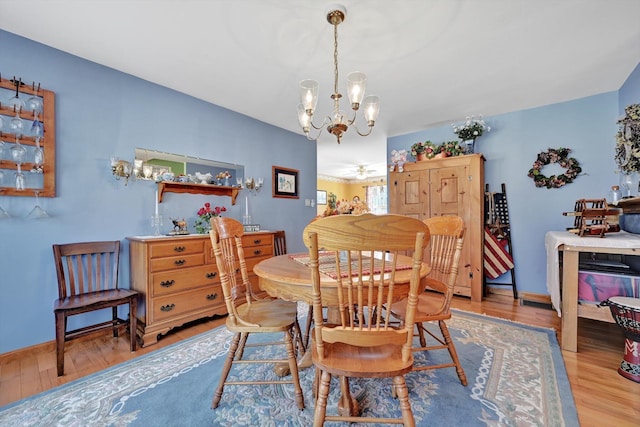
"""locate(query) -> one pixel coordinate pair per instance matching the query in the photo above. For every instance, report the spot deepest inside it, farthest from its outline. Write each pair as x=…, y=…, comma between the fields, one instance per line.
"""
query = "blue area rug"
x=516, y=378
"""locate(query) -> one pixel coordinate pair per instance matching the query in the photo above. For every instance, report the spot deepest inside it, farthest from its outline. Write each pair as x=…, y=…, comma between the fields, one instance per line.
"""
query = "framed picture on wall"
x=285, y=182
x=321, y=197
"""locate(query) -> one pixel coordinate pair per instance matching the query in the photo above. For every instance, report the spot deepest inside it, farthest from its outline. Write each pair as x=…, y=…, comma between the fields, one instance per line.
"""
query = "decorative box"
x=594, y=287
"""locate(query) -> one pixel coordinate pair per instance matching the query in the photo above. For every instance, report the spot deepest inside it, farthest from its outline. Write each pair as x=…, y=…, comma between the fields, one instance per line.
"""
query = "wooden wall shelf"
x=47, y=141
x=187, y=187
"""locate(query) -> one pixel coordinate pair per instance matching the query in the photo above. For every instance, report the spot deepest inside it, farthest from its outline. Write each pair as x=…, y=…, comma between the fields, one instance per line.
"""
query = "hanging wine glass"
x=38, y=154
x=18, y=152
x=16, y=126
x=1, y=123
x=4, y=214
x=37, y=212
x=21, y=184
x=16, y=102
x=35, y=102
x=37, y=129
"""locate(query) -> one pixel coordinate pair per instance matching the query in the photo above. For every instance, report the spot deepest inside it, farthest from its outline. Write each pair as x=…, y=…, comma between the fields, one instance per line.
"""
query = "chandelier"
x=337, y=123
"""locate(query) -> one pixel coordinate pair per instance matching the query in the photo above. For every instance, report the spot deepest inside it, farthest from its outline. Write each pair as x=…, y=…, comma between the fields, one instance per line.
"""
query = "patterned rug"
x=516, y=378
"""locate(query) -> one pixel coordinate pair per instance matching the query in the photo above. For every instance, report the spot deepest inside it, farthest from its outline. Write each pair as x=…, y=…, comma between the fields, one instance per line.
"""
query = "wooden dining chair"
x=87, y=281
x=248, y=315
x=362, y=343
x=280, y=248
x=279, y=243
x=445, y=249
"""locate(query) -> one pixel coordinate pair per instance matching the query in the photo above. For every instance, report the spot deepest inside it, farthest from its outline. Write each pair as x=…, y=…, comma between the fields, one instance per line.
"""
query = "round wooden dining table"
x=286, y=278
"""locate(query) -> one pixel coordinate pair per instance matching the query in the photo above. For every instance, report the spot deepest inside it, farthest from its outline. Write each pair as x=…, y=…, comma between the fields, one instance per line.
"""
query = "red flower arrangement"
x=205, y=213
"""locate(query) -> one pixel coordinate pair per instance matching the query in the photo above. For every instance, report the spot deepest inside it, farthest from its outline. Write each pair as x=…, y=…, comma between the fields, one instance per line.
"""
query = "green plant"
x=451, y=148
x=471, y=128
x=427, y=147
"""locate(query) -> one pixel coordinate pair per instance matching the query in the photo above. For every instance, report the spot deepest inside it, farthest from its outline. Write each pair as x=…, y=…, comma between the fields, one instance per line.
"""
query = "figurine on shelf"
x=398, y=158
x=179, y=226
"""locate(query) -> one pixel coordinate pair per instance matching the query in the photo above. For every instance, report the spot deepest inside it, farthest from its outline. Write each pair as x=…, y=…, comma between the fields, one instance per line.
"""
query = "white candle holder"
x=156, y=223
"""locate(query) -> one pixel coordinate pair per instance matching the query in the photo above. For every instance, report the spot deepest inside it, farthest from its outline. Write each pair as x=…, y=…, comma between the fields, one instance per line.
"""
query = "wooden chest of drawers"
x=179, y=280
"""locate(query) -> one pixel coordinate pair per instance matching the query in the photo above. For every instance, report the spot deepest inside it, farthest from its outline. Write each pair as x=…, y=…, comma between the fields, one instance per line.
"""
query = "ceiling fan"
x=363, y=173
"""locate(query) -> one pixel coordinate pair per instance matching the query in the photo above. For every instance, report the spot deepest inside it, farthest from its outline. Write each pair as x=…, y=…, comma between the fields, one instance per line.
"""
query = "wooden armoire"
x=448, y=186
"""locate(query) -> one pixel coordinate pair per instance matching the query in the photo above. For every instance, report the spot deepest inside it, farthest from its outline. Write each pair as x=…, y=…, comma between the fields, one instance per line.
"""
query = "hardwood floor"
x=602, y=396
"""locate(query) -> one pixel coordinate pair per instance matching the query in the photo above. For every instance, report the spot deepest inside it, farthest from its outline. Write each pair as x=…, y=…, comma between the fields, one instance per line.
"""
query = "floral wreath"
x=559, y=156
x=627, y=152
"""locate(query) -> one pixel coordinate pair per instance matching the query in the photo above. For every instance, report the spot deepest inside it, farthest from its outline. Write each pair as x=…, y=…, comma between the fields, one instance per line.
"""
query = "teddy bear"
x=398, y=158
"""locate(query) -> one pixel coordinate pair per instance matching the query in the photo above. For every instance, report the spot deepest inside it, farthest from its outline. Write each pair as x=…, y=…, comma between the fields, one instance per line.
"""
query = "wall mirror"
x=151, y=164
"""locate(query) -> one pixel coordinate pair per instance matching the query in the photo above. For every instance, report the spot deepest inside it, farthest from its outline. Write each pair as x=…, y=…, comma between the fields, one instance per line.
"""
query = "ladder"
x=497, y=223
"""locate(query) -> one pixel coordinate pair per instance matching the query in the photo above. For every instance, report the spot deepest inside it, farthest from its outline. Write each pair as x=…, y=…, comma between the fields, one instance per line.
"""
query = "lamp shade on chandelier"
x=338, y=122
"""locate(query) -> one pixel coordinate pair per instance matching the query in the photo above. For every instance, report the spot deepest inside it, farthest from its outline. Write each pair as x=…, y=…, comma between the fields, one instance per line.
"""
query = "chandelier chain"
x=335, y=68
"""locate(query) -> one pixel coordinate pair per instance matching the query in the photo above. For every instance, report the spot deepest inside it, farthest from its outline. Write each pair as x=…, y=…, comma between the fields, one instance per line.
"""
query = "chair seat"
x=105, y=298
x=429, y=308
x=351, y=361
x=271, y=315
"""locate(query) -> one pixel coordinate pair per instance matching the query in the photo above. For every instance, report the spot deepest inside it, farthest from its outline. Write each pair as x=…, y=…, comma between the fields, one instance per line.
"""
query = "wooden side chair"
x=445, y=249
x=362, y=343
x=248, y=315
x=280, y=248
x=88, y=281
x=279, y=243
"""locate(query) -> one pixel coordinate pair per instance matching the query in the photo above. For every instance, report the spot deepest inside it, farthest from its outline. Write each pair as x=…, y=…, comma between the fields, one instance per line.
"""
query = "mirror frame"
x=144, y=155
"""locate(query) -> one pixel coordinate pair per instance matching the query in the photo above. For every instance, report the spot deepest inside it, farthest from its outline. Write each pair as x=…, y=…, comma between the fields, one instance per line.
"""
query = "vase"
x=226, y=182
x=629, y=183
x=468, y=146
x=420, y=157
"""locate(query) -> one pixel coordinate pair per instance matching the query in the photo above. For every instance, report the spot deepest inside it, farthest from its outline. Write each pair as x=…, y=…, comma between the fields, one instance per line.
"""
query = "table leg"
x=570, y=300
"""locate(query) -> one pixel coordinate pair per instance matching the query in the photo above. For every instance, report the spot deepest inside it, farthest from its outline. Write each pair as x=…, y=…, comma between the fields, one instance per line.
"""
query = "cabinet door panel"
x=410, y=194
x=449, y=188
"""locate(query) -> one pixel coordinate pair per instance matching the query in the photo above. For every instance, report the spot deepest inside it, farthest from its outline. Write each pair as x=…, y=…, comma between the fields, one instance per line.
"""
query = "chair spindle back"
x=342, y=246
x=86, y=267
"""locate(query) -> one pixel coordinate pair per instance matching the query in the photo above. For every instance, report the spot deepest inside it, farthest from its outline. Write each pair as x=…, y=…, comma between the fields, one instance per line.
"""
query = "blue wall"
x=587, y=126
x=101, y=112
x=630, y=91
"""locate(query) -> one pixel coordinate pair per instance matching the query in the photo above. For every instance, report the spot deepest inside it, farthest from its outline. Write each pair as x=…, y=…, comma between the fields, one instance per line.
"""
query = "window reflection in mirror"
x=153, y=164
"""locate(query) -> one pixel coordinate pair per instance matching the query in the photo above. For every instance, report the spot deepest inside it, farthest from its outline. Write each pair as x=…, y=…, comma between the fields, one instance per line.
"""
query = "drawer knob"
x=257, y=241
x=167, y=307
x=212, y=275
x=237, y=270
x=257, y=252
x=179, y=249
x=211, y=297
x=179, y=261
x=167, y=283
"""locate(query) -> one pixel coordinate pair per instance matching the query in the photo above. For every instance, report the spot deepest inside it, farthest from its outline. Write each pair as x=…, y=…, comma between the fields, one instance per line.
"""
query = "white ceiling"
x=430, y=61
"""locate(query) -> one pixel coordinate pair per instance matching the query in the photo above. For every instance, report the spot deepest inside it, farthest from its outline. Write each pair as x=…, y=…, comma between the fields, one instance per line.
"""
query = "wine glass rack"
x=46, y=187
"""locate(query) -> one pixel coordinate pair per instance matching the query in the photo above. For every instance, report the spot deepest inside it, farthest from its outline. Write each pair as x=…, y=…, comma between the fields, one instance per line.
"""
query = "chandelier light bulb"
x=309, y=95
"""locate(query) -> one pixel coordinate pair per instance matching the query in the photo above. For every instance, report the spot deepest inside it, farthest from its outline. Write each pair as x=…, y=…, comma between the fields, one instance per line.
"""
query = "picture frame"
x=284, y=182
x=321, y=197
